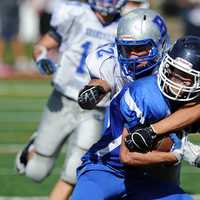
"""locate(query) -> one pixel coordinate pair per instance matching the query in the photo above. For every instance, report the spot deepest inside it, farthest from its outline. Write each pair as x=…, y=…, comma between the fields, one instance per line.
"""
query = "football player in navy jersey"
x=102, y=175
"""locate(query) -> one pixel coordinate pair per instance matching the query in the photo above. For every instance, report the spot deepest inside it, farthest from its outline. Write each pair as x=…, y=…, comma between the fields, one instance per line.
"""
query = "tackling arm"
x=93, y=93
x=178, y=120
x=141, y=159
x=186, y=116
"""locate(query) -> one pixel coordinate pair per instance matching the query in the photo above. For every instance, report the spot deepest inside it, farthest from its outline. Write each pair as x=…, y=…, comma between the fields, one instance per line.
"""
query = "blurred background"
x=23, y=91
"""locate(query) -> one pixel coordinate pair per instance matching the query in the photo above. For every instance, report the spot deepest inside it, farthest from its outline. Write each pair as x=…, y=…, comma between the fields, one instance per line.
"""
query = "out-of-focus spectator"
x=45, y=8
x=28, y=34
x=191, y=16
x=29, y=21
x=170, y=8
x=9, y=28
x=34, y=22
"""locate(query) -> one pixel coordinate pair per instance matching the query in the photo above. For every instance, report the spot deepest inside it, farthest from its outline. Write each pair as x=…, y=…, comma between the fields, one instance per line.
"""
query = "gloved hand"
x=192, y=154
x=178, y=146
x=90, y=96
x=141, y=139
x=46, y=66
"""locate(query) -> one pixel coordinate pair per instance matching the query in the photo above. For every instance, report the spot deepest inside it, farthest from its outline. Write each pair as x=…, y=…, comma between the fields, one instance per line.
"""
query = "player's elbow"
x=125, y=158
x=130, y=159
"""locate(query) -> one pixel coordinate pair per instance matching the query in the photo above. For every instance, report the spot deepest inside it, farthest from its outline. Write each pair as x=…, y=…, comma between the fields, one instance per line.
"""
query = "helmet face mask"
x=137, y=57
x=179, y=72
x=107, y=7
x=141, y=29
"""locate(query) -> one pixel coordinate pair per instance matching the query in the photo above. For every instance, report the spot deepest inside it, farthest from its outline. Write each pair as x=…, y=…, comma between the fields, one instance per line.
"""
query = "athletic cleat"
x=22, y=157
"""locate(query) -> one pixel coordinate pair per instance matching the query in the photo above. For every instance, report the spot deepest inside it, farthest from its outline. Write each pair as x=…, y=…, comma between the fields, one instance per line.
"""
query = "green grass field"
x=21, y=103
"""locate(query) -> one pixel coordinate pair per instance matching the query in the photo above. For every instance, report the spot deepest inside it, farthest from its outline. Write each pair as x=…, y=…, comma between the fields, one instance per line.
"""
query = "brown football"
x=164, y=144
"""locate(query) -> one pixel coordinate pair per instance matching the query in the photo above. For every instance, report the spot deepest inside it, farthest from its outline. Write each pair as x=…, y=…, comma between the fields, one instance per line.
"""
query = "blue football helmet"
x=107, y=7
x=144, y=33
x=179, y=72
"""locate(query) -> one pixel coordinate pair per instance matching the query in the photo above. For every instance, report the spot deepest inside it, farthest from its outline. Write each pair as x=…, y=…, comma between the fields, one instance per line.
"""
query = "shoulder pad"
x=97, y=58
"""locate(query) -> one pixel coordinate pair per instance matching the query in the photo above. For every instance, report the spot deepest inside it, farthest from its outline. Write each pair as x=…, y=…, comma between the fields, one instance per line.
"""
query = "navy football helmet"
x=144, y=32
x=107, y=7
x=179, y=72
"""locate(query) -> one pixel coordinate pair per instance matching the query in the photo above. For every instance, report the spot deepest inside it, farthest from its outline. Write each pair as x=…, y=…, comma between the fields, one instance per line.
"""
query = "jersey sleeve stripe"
x=132, y=106
x=111, y=146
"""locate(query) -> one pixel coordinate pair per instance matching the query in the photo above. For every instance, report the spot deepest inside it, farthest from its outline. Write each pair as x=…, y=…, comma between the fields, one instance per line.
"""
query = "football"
x=164, y=144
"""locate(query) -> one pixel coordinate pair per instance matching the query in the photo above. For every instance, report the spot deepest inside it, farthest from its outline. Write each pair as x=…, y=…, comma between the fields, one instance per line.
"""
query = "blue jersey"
x=139, y=103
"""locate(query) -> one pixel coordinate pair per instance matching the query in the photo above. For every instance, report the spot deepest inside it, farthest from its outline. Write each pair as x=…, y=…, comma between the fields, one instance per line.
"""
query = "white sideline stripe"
x=196, y=197
x=14, y=148
x=23, y=198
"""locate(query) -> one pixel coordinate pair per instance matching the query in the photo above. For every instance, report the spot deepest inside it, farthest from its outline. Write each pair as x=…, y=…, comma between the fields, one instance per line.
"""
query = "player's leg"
x=51, y=135
x=64, y=186
x=99, y=184
x=86, y=134
x=61, y=191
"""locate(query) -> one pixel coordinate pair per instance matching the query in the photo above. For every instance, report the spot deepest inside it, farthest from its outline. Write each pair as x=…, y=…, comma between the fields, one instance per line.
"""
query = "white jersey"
x=103, y=64
x=81, y=33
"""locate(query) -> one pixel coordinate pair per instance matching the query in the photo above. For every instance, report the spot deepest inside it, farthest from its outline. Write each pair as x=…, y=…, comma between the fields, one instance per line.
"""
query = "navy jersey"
x=139, y=103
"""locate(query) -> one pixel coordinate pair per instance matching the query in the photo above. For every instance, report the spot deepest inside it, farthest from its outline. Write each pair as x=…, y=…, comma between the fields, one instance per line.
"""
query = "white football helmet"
x=179, y=72
x=139, y=29
x=107, y=7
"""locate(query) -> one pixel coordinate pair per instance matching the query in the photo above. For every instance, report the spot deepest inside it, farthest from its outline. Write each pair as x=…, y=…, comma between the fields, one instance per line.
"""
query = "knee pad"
x=39, y=167
x=72, y=161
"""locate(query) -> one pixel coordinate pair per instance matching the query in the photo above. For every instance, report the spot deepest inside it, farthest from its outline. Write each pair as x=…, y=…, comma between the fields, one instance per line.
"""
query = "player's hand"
x=178, y=146
x=141, y=139
x=90, y=96
x=46, y=66
x=192, y=153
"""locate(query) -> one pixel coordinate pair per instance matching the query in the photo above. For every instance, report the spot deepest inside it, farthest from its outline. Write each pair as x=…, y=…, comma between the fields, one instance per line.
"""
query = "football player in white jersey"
x=77, y=28
x=111, y=80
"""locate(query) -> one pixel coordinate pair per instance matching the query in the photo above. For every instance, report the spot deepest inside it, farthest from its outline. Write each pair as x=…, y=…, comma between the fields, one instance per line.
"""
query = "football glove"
x=192, y=154
x=90, y=96
x=46, y=66
x=141, y=139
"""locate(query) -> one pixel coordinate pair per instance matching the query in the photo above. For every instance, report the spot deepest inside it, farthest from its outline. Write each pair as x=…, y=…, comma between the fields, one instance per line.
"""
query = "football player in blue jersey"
x=110, y=69
x=102, y=175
